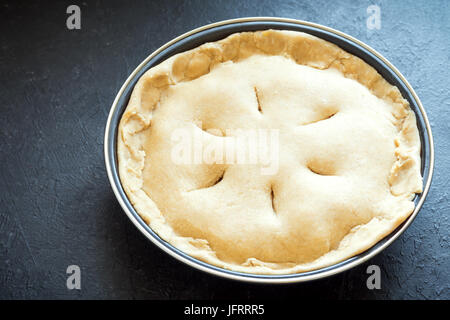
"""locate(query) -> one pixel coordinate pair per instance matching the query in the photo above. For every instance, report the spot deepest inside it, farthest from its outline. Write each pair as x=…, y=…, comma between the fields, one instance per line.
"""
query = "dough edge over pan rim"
x=306, y=50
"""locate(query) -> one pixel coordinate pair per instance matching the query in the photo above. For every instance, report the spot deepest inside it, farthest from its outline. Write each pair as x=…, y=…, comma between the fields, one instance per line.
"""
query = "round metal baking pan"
x=220, y=30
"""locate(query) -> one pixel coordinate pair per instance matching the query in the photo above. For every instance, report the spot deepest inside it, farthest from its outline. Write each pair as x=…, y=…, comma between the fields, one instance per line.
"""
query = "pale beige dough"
x=349, y=153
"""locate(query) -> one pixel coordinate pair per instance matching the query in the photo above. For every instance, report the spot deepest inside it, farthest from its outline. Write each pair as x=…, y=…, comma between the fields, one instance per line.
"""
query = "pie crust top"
x=348, y=155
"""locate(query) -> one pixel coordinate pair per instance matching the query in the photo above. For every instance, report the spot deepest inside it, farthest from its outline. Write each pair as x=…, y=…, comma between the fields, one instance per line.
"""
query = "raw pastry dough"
x=349, y=153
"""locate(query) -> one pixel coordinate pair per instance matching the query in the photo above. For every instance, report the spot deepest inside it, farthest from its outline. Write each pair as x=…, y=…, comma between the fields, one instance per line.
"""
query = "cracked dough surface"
x=349, y=153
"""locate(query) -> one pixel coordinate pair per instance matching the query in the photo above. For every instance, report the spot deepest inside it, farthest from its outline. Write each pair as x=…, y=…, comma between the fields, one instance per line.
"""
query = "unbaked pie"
x=347, y=156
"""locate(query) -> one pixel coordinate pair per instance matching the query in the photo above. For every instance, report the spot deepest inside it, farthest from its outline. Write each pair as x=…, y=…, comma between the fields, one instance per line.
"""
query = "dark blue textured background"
x=56, y=205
